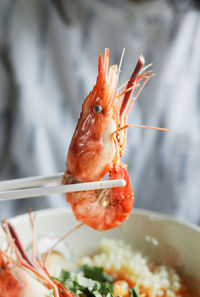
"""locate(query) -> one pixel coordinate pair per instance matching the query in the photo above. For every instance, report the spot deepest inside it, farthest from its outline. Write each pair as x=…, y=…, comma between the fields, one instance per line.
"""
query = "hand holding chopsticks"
x=21, y=188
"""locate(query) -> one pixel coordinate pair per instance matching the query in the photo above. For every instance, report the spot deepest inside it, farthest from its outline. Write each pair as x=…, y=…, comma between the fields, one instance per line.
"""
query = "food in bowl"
x=116, y=270
x=131, y=270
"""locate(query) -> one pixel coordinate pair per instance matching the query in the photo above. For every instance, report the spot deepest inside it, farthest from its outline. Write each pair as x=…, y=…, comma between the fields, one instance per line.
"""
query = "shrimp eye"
x=98, y=109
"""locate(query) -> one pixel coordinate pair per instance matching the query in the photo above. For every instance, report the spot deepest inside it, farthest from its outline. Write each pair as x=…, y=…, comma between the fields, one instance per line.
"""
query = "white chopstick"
x=27, y=182
x=38, y=192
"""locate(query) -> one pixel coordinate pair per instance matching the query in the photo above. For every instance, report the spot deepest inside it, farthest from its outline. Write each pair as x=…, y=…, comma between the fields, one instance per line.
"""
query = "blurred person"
x=48, y=65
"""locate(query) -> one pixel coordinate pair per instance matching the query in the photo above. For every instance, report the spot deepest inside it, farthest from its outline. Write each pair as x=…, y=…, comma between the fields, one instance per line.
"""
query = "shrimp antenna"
x=121, y=59
x=18, y=244
x=61, y=239
x=139, y=126
x=145, y=68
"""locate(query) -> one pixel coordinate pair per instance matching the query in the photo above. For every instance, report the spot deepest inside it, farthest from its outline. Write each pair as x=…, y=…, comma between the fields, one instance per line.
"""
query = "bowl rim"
x=152, y=215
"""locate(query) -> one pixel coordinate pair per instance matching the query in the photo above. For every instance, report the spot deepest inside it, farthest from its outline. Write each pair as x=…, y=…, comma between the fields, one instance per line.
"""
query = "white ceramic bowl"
x=165, y=239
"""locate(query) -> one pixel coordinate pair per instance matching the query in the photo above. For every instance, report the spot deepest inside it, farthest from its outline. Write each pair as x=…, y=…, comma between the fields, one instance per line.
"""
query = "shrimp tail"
x=107, y=208
x=122, y=195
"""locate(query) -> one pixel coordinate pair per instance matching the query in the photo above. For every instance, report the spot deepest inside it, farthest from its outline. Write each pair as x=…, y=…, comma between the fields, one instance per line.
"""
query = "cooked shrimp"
x=121, y=288
x=21, y=276
x=97, y=145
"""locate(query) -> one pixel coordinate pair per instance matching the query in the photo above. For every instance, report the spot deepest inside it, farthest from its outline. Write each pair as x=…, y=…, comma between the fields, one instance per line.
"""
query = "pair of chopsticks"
x=29, y=187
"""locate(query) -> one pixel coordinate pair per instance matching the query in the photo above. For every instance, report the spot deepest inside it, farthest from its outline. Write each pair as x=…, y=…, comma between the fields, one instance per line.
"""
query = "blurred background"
x=48, y=64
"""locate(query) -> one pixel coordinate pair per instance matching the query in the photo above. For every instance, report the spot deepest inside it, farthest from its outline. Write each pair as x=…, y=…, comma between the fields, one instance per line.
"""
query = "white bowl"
x=165, y=239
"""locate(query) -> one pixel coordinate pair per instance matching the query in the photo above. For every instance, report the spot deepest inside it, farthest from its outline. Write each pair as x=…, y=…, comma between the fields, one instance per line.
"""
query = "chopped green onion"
x=135, y=291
